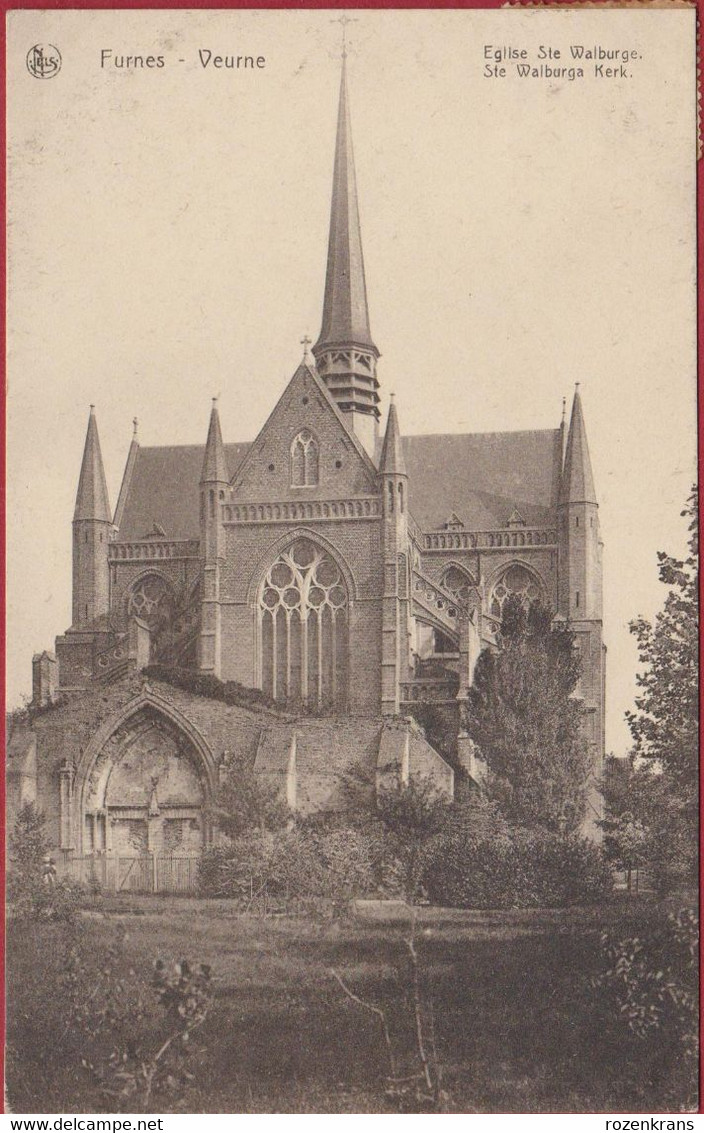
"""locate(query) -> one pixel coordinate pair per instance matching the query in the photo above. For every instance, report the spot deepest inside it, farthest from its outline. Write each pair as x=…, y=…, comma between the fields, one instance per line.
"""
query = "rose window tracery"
x=151, y=600
x=457, y=583
x=303, y=627
x=519, y=582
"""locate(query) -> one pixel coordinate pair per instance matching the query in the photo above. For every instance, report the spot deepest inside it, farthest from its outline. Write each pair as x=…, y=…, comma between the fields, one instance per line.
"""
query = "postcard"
x=352, y=625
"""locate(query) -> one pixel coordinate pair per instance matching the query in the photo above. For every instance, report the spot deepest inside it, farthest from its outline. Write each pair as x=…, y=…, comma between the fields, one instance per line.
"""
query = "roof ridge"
x=155, y=448
x=482, y=433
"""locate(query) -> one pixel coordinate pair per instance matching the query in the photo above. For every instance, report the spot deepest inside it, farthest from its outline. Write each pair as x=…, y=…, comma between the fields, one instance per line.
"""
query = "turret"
x=580, y=558
x=580, y=591
x=92, y=526
x=345, y=353
x=127, y=477
x=214, y=481
x=393, y=485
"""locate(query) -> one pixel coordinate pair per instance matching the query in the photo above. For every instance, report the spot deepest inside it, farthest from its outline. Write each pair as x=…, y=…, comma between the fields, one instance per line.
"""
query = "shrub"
x=230, y=692
x=33, y=891
x=238, y=868
x=412, y=815
x=524, y=869
x=306, y=861
x=93, y=1026
x=649, y=987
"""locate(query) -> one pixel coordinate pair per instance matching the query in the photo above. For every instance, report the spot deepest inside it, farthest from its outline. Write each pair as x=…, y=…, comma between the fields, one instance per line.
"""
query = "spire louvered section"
x=345, y=352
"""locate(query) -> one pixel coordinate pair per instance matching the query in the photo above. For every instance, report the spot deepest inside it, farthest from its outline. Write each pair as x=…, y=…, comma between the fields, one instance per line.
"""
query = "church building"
x=349, y=572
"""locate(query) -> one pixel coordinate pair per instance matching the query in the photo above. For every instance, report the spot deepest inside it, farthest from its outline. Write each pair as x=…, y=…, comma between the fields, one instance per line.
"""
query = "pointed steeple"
x=345, y=312
x=127, y=476
x=214, y=462
x=92, y=496
x=577, y=478
x=345, y=352
x=392, y=458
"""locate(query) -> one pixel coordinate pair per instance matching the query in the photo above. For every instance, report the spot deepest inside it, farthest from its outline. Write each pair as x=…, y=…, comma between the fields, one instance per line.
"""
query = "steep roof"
x=92, y=496
x=214, y=461
x=164, y=488
x=391, y=459
x=345, y=311
x=483, y=477
x=577, y=479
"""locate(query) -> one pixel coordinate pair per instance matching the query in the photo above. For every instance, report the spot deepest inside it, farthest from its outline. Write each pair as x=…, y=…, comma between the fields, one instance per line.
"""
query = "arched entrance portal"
x=146, y=791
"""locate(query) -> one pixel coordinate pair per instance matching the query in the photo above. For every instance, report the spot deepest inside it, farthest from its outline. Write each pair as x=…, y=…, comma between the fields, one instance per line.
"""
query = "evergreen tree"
x=523, y=715
x=665, y=724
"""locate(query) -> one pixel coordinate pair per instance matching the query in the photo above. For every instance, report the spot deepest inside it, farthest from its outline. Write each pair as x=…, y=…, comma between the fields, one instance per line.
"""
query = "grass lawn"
x=516, y=1028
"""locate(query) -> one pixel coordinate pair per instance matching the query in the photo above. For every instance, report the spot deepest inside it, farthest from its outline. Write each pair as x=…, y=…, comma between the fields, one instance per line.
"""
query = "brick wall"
x=331, y=753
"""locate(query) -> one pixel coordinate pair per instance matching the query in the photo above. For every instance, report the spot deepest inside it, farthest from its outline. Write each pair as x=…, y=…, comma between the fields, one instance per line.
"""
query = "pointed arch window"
x=305, y=460
x=519, y=582
x=458, y=583
x=303, y=628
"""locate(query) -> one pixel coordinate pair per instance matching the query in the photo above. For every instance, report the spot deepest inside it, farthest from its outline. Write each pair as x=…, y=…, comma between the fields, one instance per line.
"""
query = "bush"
x=338, y=862
x=239, y=868
x=649, y=987
x=33, y=891
x=523, y=869
x=205, y=684
x=93, y=1026
x=230, y=692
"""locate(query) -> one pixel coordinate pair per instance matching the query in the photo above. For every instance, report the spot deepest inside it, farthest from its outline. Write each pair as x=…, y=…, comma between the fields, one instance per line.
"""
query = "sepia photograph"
x=352, y=623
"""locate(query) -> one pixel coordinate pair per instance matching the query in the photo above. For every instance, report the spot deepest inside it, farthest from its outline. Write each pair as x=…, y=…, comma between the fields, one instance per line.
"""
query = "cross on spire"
x=305, y=343
x=344, y=20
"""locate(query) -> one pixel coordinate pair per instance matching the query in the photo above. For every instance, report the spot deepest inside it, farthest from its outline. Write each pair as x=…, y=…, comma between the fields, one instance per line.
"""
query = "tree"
x=666, y=721
x=524, y=717
x=246, y=803
x=629, y=794
x=412, y=813
x=665, y=724
x=28, y=848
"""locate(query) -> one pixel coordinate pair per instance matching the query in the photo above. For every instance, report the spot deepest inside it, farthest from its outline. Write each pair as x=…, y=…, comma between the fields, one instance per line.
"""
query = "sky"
x=167, y=237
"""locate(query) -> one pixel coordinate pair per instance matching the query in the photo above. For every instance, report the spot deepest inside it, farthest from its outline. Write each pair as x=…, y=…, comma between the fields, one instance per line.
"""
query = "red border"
x=8, y=5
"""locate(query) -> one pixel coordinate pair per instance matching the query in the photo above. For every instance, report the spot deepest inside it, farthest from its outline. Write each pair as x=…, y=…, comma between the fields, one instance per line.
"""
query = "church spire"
x=214, y=462
x=345, y=312
x=92, y=495
x=392, y=458
x=577, y=477
x=92, y=528
x=345, y=352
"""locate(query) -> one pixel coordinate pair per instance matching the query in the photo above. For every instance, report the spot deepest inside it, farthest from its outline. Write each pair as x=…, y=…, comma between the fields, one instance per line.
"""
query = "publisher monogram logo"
x=43, y=61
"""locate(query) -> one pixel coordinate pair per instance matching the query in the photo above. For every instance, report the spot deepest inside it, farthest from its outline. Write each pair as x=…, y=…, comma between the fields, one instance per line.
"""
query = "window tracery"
x=303, y=627
x=457, y=583
x=151, y=600
x=517, y=581
x=304, y=460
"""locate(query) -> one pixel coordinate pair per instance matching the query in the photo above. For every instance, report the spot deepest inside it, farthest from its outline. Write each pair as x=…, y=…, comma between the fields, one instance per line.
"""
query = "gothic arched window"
x=151, y=599
x=303, y=627
x=458, y=583
x=304, y=460
x=518, y=581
